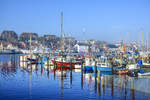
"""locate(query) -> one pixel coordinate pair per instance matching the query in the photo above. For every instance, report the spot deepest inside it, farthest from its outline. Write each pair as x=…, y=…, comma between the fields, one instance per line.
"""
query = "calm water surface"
x=21, y=82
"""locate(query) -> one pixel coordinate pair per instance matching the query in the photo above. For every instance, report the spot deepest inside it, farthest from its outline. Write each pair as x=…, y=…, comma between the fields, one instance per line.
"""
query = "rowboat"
x=144, y=72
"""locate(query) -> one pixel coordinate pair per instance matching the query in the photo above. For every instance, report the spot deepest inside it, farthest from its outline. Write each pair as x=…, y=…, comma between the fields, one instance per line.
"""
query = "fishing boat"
x=120, y=70
x=65, y=63
x=61, y=61
x=146, y=63
x=104, y=67
x=103, y=64
x=89, y=64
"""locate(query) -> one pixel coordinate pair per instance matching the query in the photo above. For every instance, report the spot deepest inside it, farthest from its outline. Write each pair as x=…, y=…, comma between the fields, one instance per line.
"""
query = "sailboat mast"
x=62, y=35
x=61, y=24
x=30, y=43
x=69, y=42
x=147, y=42
x=142, y=41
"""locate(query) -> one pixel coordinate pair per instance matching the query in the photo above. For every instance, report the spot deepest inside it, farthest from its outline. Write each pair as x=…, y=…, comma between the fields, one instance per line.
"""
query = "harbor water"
x=39, y=82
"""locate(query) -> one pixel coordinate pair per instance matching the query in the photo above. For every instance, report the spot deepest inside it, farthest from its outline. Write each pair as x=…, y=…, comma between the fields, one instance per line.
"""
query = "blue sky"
x=108, y=20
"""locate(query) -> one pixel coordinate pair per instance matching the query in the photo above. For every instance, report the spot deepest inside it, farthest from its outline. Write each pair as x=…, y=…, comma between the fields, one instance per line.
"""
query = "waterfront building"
x=9, y=36
x=81, y=47
x=50, y=37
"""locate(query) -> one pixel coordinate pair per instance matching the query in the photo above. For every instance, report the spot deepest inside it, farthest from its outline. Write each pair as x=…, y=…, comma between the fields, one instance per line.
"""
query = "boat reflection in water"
x=24, y=81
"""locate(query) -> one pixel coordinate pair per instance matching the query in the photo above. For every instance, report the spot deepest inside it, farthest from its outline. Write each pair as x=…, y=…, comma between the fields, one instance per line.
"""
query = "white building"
x=80, y=47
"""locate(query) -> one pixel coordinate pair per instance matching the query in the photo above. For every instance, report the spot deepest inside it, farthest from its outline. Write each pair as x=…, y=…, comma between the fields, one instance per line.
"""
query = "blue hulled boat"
x=88, y=68
x=104, y=67
x=144, y=72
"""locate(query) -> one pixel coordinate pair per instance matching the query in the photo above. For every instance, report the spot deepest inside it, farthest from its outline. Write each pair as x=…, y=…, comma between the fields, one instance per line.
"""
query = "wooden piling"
x=99, y=87
x=19, y=61
x=11, y=59
x=54, y=74
x=125, y=87
x=22, y=60
x=41, y=60
x=95, y=75
x=132, y=91
x=82, y=66
x=112, y=87
x=62, y=69
x=36, y=68
x=14, y=60
x=54, y=64
x=48, y=61
x=41, y=66
x=103, y=85
x=48, y=72
x=95, y=82
x=71, y=65
x=95, y=67
x=31, y=67
x=71, y=74
x=82, y=75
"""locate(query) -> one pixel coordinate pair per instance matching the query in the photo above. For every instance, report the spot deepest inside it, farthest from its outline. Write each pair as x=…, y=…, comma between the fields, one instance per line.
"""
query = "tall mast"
x=147, y=42
x=61, y=24
x=62, y=35
x=30, y=43
x=69, y=42
x=142, y=43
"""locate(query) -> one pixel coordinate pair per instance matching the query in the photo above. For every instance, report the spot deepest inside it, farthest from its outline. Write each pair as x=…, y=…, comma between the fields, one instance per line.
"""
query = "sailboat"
x=32, y=59
x=62, y=59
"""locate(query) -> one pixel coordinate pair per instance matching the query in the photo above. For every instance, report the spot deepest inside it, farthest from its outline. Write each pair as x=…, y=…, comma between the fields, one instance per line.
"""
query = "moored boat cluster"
x=129, y=63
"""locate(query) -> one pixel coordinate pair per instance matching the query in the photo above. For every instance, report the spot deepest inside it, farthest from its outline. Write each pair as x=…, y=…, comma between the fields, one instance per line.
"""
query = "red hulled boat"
x=59, y=63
